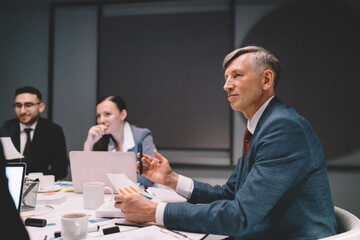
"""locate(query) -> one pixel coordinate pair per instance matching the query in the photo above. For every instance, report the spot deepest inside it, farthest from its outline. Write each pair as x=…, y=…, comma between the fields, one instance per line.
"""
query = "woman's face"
x=108, y=114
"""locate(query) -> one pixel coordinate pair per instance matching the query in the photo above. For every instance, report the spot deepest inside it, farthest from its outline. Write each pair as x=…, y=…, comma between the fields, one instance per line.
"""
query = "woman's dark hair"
x=120, y=103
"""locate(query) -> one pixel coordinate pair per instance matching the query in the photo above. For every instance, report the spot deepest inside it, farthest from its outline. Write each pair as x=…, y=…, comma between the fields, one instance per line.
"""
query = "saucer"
x=53, y=188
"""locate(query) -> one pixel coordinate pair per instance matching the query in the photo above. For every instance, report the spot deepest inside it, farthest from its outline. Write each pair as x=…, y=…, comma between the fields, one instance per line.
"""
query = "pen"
x=141, y=155
x=129, y=225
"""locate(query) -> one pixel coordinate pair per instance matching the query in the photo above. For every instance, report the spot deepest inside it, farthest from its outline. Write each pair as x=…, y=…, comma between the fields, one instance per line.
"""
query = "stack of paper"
x=108, y=210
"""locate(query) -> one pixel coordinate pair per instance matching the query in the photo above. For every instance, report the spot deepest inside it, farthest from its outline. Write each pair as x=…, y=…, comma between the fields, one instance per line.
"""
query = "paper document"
x=10, y=151
x=155, y=233
x=166, y=194
x=125, y=186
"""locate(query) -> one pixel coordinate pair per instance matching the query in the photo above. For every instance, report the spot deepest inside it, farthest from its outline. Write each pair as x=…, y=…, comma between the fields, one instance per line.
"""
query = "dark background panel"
x=317, y=43
x=168, y=70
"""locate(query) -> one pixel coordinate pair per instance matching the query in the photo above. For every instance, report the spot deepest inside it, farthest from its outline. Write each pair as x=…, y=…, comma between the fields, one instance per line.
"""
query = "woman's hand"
x=95, y=133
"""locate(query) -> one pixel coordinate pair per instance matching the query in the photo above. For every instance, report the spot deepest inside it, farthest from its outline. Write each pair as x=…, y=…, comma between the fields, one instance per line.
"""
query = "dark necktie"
x=27, y=149
x=247, y=139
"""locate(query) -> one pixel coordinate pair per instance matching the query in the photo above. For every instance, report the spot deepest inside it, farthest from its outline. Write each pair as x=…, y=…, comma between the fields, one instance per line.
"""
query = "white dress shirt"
x=129, y=141
x=23, y=136
x=185, y=185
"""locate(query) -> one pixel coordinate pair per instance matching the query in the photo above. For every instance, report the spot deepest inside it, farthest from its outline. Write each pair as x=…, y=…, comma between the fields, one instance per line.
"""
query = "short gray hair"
x=261, y=60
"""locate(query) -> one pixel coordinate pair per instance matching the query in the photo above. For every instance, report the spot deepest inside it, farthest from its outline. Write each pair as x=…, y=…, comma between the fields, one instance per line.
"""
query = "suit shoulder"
x=8, y=125
x=140, y=133
x=9, y=122
x=138, y=130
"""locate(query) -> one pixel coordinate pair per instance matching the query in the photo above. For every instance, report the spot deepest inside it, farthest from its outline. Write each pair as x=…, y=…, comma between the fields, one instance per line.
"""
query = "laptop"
x=15, y=173
x=93, y=166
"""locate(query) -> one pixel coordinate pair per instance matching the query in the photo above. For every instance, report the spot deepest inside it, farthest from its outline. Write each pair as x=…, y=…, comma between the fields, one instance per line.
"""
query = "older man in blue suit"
x=279, y=188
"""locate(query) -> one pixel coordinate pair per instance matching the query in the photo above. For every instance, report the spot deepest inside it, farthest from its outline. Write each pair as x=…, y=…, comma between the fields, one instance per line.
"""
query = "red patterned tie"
x=247, y=139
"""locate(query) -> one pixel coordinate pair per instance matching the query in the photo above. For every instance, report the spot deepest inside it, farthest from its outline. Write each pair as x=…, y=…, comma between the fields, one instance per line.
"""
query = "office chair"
x=348, y=226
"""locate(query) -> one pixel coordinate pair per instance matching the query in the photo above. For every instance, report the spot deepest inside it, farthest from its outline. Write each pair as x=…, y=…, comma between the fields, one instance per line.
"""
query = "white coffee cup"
x=35, y=175
x=93, y=194
x=46, y=182
x=74, y=226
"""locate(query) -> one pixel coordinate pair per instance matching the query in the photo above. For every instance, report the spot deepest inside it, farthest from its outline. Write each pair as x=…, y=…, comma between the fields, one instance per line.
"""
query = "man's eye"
x=28, y=105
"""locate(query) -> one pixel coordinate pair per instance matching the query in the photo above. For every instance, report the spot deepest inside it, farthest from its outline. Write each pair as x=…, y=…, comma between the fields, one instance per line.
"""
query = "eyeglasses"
x=27, y=105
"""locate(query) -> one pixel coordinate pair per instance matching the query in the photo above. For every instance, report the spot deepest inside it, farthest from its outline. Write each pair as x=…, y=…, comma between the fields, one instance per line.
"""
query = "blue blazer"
x=281, y=192
x=139, y=134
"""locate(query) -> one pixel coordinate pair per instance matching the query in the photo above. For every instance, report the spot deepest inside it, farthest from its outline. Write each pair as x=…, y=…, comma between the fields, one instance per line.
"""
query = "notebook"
x=93, y=166
x=15, y=173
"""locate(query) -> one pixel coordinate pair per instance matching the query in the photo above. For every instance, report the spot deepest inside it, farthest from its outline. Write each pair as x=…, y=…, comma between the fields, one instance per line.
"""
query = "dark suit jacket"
x=281, y=192
x=48, y=148
x=11, y=225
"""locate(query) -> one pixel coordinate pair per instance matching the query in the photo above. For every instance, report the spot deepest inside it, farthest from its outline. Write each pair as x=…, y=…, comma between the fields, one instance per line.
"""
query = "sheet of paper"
x=125, y=186
x=153, y=233
x=10, y=151
x=166, y=195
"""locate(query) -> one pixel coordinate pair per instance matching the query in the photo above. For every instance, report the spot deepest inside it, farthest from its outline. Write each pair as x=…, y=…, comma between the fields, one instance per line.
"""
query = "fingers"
x=120, y=198
x=159, y=156
x=146, y=159
x=98, y=130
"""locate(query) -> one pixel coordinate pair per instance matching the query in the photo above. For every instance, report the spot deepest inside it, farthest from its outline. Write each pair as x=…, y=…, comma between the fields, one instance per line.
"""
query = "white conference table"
x=74, y=204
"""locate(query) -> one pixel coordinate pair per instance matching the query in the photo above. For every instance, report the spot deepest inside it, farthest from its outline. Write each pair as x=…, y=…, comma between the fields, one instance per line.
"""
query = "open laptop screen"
x=15, y=173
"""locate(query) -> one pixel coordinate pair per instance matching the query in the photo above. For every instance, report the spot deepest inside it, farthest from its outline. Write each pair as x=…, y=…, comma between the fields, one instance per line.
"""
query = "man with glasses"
x=39, y=140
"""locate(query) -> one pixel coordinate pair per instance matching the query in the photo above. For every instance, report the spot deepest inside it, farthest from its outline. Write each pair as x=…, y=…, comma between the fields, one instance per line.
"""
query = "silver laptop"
x=92, y=166
x=15, y=173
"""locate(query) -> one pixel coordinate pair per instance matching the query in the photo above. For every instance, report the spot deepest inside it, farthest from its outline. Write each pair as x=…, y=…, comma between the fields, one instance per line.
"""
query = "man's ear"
x=42, y=107
x=268, y=79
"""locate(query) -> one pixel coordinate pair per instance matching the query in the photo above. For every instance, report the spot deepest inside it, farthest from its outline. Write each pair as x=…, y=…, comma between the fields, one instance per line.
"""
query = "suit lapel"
x=246, y=168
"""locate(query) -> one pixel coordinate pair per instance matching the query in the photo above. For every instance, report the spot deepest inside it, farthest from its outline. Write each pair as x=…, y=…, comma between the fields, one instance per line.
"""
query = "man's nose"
x=23, y=109
x=227, y=86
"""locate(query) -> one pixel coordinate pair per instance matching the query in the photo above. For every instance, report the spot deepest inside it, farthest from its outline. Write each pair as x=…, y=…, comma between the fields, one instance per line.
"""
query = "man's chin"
x=28, y=122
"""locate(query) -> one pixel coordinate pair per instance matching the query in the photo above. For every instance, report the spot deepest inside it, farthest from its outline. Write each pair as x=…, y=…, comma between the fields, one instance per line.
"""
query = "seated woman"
x=114, y=133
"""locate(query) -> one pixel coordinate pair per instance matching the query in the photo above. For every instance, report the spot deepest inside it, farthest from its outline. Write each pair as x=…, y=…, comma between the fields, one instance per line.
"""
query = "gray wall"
x=24, y=61
x=24, y=55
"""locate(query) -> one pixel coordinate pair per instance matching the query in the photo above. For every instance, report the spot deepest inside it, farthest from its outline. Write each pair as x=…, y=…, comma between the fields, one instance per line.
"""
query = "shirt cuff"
x=185, y=186
x=159, y=214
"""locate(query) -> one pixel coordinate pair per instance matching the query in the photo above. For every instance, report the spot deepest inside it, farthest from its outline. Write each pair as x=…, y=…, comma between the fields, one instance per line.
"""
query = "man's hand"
x=158, y=170
x=136, y=208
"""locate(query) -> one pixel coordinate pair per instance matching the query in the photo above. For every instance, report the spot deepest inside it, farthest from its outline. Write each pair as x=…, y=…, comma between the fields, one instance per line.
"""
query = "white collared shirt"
x=185, y=185
x=251, y=125
x=128, y=143
x=23, y=136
